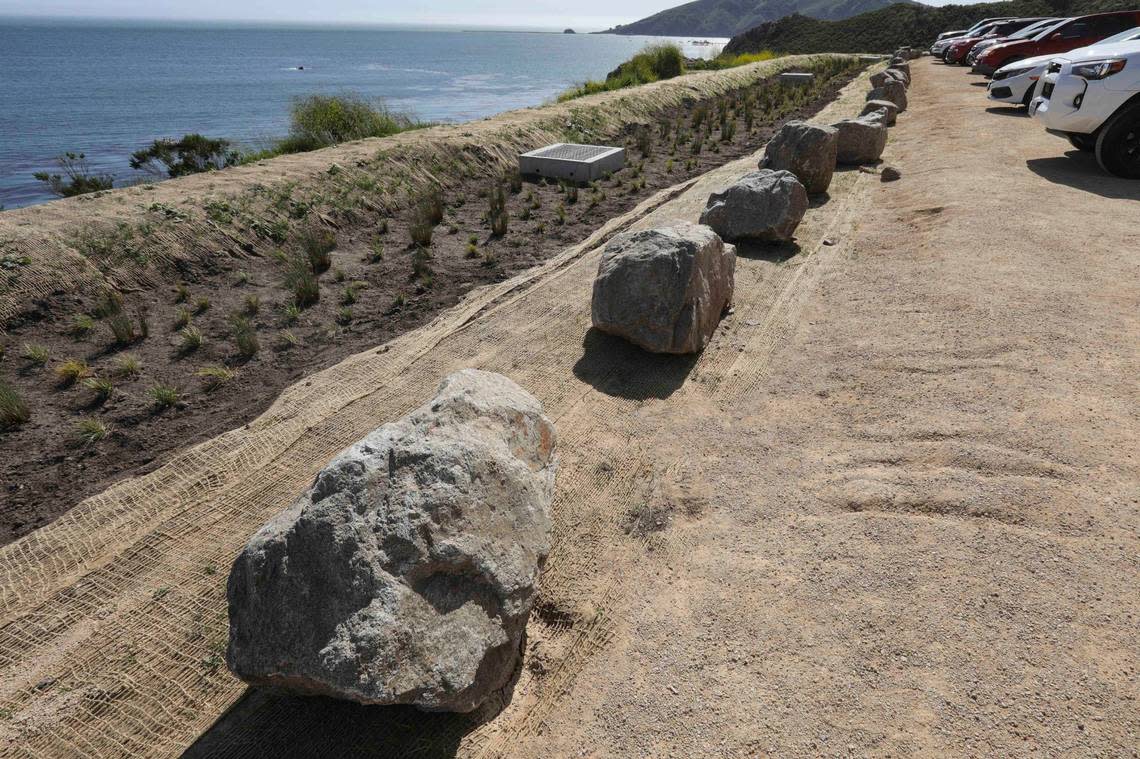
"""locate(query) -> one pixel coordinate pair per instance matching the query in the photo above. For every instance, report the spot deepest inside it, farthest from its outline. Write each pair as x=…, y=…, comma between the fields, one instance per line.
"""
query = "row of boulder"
x=666, y=289
x=406, y=573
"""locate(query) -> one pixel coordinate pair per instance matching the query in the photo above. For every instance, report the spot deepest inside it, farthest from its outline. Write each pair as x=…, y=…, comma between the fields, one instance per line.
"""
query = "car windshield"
x=1032, y=29
x=1126, y=36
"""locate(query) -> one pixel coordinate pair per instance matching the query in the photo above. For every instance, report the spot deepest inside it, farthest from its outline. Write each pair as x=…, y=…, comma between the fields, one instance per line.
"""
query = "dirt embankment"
x=376, y=285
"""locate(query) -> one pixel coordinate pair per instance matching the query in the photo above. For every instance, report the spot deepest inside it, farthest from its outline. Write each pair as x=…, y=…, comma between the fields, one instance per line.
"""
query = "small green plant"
x=301, y=281
x=76, y=177
x=421, y=264
x=344, y=316
x=163, y=396
x=645, y=142
x=191, y=154
x=90, y=431
x=81, y=326
x=181, y=294
x=497, y=214
x=397, y=303
x=128, y=366
x=472, y=250
x=421, y=227
x=288, y=340
x=213, y=377
x=572, y=194
x=515, y=182
x=192, y=340
x=245, y=337
x=669, y=166
x=292, y=313
x=560, y=215
x=14, y=410
x=102, y=388
x=182, y=318
x=318, y=244
x=36, y=354
x=71, y=371
x=376, y=251
x=252, y=305
x=382, y=227
x=123, y=329
x=348, y=295
x=202, y=305
x=339, y=275
x=490, y=259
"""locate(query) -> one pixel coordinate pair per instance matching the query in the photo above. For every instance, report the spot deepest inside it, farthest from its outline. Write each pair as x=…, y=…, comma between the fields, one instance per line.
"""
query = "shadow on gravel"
x=619, y=368
x=979, y=84
x=264, y=723
x=1011, y=110
x=773, y=252
x=1081, y=171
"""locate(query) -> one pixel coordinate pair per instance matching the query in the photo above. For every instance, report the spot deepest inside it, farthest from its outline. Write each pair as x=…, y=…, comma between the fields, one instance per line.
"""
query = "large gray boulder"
x=806, y=150
x=887, y=110
x=764, y=205
x=898, y=73
x=893, y=91
x=664, y=289
x=405, y=575
x=879, y=78
x=861, y=140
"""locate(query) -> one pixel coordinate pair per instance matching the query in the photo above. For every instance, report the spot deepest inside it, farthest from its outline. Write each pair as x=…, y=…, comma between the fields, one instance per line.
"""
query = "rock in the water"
x=764, y=205
x=890, y=174
x=861, y=140
x=406, y=574
x=806, y=150
x=893, y=91
x=664, y=289
x=888, y=110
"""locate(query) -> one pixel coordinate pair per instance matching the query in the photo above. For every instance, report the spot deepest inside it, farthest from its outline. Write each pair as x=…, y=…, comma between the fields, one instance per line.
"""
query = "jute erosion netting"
x=114, y=618
x=134, y=237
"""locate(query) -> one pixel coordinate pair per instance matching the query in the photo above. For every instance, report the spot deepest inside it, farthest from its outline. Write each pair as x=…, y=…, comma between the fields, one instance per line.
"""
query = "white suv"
x=1092, y=96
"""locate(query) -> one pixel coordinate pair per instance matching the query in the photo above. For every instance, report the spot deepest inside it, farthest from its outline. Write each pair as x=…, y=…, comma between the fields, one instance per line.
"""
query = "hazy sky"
x=587, y=14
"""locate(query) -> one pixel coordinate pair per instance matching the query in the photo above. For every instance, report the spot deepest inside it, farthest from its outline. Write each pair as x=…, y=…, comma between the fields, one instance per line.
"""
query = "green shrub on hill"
x=887, y=29
x=654, y=63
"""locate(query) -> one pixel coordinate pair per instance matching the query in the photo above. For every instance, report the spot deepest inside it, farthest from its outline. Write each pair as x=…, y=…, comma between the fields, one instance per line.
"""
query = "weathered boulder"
x=885, y=109
x=806, y=150
x=899, y=74
x=861, y=140
x=406, y=573
x=879, y=78
x=894, y=92
x=764, y=205
x=664, y=289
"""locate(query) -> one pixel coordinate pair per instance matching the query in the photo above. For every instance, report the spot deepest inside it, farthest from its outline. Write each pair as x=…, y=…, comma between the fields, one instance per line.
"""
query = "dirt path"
x=891, y=510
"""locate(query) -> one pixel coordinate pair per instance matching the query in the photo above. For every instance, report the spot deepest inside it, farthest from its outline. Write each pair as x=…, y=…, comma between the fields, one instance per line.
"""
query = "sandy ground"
x=892, y=510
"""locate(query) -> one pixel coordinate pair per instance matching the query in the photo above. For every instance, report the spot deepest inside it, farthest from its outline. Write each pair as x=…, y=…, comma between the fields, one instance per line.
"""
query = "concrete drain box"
x=573, y=163
x=798, y=78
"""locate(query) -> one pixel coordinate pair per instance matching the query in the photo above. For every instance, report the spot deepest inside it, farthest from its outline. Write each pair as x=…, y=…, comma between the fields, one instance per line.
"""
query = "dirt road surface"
x=891, y=511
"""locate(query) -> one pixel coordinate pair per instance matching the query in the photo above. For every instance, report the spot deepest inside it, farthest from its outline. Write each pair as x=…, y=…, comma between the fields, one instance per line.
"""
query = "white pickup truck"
x=1092, y=97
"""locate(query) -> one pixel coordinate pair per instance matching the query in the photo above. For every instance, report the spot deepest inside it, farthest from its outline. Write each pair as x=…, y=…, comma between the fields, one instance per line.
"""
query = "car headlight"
x=1009, y=74
x=1098, y=69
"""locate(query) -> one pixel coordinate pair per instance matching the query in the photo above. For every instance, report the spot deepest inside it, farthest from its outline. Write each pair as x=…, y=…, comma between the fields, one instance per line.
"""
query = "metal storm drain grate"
x=796, y=77
x=577, y=163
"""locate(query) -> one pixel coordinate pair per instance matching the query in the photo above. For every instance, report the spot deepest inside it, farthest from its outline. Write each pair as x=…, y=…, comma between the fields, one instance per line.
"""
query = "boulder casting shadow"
x=619, y=368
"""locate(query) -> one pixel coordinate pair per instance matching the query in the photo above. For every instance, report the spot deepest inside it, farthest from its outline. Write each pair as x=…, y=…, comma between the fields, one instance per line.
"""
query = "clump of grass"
x=490, y=260
x=318, y=244
x=344, y=316
x=102, y=388
x=182, y=318
x=515, y=182
x=288, y=340
x=202, y=305
x=349, y=294
x=163, y=396
x=376, y=251
x=14, y=409
x=654, y=63
x=192, y=340
x=36, y=354
x=245, y=337
x=427, y=213
x=108, y=303
x=90, y=431
x=81, y=326
x=252, y=305
x=128, y=366
x=397, y=303
x=181, y=293
x=213, y=377
x=421, y=264
x=301, y=281
x=292, y=313
x=123, y=329
x=71, y=371
x=318, y=121
x=472, y=250
x=497, y=213
x=243, y=279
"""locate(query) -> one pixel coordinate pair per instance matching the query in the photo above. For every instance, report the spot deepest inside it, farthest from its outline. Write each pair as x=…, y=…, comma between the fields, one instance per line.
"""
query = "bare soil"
x=45, y=472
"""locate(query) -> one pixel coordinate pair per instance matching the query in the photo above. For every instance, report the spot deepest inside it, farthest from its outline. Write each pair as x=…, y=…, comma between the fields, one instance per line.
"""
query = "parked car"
x=940, y=44
x=1022, y=34
x=960, y=47
x=1068, y=35
x=1016, y=82
x=1092, y=97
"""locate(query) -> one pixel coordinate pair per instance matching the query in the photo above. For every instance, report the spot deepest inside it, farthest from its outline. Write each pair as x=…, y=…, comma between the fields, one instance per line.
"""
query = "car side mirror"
x=1056, y=36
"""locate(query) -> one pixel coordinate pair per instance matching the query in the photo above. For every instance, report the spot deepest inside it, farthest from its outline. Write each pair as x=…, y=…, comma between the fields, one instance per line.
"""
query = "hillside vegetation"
x=725, y=18
x=886, y=29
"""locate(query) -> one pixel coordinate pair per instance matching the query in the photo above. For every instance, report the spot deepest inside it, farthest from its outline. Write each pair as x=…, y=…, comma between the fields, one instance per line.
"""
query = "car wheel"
x=1118, y=144
x=946, y=58
x=1085, y=142
x=1027, y=98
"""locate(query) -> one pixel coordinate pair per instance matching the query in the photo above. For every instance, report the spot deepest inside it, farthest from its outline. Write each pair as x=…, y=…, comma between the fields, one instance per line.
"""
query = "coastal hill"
x=726, y=18
x=886, y=29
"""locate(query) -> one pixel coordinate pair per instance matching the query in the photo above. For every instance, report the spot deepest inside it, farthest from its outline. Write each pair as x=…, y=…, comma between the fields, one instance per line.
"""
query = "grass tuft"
x=213, y=377
x=245, y=336
x=163, y=396
x=102, y=388
x=192, y=340
x=14, y=410
x=90, y=431
x=36, y=354
x=71, y=371
x=128, y=366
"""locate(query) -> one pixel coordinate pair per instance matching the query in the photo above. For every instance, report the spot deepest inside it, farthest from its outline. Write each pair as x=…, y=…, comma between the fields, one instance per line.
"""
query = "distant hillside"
x=726, y=18
x=886, y=29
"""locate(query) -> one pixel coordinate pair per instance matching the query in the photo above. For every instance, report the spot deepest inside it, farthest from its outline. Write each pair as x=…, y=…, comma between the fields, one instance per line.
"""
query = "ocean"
x=108, y=89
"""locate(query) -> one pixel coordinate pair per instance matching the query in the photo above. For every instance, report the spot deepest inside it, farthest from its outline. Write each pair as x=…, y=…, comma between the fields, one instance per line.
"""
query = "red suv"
x=960, y=46
x=1068, y=35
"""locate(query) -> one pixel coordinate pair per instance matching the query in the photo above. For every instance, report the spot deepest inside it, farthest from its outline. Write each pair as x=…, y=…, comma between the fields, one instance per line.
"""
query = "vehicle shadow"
x=619, y=368
x=1080, y=170
x=979, y=84
x=1009, y=110
x=267, y=723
